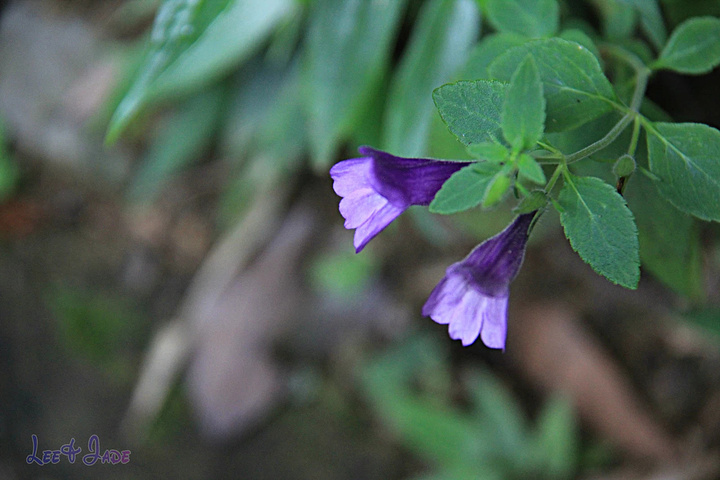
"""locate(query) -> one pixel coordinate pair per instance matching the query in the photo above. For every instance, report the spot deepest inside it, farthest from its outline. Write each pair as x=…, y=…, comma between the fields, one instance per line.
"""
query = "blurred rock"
x=555, y=354
x=53, y=77
x=232, y=380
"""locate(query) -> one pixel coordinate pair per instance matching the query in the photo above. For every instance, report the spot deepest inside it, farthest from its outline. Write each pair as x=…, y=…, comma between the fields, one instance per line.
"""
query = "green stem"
x=522, y=189
x=635, y=136
x=642, y=71
x=554, y=158
x=537, y=216
x=553, y=179
x=551, y=149
x=603, y=142
x=631, y=114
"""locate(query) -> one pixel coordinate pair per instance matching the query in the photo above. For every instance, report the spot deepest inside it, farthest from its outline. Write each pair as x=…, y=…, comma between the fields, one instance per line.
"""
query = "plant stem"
x=603, y=142
x=635, y=136
x=632, y=113
x=556, y=174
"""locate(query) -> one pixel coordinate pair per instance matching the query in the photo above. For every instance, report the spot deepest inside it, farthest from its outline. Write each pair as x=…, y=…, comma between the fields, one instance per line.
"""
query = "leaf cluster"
x=541, y=101
x=545, y=110
x=408, y=387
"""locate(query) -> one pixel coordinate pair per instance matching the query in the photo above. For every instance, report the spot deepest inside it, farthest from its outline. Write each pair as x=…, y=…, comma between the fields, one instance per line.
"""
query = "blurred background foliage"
x=175, y=277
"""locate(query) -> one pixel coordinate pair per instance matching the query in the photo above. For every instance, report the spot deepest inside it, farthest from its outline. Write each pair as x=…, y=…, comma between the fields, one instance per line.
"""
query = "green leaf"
x=489, y=48
x=531, y=18
x=471, y=109
x=193, y=43
x=277, y=142
x=229, y=39
x=685, y=158
x=669, y=239
x=498, y=412
x=348, y=47
x=93, y=325
x=576, y=90
x=496, y=190
x=529, y=168
x=424, y=423
x=438, y=434
x=578, y=36
x=557, y=439
x=617, y=19
x=253, y=89
x=283, y=134
x=535, y=201
x=439, y=45
x=343, y=275
x=523, y=114
x=9, y=171
x=601, y=228
x=465, y=189
x=651, y=20
x=492, y=152
x=707, y=319
x=694, y=47
x=181, y=141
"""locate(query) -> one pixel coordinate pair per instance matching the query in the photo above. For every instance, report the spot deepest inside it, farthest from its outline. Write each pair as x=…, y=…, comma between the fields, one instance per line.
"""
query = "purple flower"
x=378, y=187
x=472, y=298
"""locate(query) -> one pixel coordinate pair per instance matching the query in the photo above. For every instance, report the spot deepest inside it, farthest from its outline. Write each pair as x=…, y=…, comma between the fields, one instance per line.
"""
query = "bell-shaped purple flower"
x=378, y=187
x=472, y=298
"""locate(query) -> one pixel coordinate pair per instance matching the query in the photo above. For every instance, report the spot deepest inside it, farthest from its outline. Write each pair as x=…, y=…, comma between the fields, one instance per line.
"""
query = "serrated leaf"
x=651, y=20
x=471, y=109
x=192, y=44
x=523, y=114
x=440, y=43
x=531, y=18
x=601, y=228
x=465, y=189
x=694, y=47
x=578, y=36
x=490, y=47
x=574, y=85
x=684, y=156
x=348, y=47
x=529, y=168
x=669, y=239
x=492, y=152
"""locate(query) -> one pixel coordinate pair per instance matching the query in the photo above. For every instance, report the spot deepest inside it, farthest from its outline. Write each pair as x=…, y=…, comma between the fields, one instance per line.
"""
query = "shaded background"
x=189, y=293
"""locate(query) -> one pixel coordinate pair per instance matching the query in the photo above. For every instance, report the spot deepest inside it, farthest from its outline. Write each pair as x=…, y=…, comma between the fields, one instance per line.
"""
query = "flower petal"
x=361, y=205
x=413, y=181
x=472, y=298
x=351, y=175
x=445, y=297
x=495, y=262
x=375, y=224
x=378, y=187
x=494, y=325
x=468, y=317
